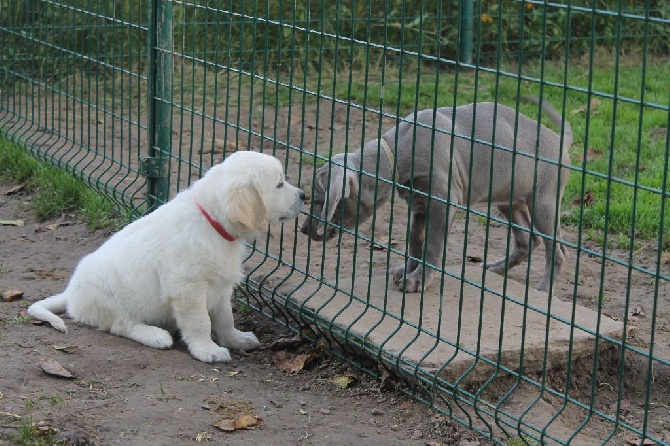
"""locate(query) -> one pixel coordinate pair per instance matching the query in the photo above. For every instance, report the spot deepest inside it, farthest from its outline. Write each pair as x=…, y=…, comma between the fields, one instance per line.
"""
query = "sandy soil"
x=125, y=393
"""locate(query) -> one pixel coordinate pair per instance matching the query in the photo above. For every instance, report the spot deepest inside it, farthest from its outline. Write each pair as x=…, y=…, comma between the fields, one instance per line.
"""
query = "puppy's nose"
x=302, y=195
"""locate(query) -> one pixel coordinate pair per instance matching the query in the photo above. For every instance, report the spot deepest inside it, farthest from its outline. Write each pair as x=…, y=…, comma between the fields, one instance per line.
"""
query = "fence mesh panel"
x=357, y=99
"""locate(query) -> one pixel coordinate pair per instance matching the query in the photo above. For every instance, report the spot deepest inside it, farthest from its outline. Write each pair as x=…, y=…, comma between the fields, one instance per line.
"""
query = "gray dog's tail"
x=556, y=118
x=44, y=310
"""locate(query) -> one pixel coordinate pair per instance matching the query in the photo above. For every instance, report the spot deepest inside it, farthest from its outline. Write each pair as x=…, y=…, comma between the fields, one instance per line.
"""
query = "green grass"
x=29, y=434
x=618, y=141
x=55, y=191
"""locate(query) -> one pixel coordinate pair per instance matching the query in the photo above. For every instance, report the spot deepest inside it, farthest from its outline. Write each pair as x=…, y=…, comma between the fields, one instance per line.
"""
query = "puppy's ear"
x=248, y=210
x=338, y=180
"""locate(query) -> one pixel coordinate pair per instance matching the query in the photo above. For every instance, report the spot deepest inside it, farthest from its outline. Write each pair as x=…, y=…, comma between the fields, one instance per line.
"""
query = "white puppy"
x=175, y=268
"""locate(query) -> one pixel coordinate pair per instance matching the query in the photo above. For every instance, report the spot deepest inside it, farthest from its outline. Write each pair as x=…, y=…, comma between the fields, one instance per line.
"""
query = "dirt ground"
x=125, y=393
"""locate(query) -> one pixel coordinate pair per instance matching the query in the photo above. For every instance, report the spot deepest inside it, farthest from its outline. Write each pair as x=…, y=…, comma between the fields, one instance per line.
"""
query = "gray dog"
x=524, y=187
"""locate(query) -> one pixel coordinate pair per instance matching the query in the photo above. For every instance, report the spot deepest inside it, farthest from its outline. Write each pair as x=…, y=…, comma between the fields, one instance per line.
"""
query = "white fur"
x=171, y=270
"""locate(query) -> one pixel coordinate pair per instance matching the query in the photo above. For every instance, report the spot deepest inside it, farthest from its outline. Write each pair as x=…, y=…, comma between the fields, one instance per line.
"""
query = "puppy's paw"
x=242, y=340
x=209, y=352
x=151, y=336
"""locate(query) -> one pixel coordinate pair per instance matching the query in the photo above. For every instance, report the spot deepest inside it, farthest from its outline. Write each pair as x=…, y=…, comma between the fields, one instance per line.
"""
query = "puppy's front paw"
x=209, y=352
x=242, y=340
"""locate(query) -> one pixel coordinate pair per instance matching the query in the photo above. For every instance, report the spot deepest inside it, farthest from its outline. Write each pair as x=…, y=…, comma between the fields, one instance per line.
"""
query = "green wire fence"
x=139, y=98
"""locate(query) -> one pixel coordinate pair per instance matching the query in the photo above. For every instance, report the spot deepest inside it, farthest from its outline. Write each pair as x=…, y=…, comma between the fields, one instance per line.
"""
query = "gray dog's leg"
x=555, y=258
x=523, y=244
x=417, y=232
x=436, y=227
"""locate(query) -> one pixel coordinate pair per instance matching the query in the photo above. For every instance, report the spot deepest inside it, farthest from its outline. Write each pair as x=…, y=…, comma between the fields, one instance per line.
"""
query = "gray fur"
x=470, y=173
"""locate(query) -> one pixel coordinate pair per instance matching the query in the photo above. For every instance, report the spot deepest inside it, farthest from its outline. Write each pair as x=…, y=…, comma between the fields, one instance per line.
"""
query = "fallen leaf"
x=243, y=422
x=18, y=222
x=233, y=372
x=658, y=132
x=640, y=442
x=203, y=436
x=587, y=200
x=631, y=331
x=665, y=258
x=475, y=259
x=221, y=146
x=593, y=104
x=381, y=246
x=591, y=154
x=286, y=342
x=343, y=381
x=610, y=316
x=11, y=295
x=636, y=311
x=13, y=190
x=51, y=367
x=66, y=348
x=293, y=364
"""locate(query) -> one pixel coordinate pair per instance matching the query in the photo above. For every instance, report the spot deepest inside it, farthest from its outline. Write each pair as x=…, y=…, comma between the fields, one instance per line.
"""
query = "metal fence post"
x=465, y=18
x=156, y=165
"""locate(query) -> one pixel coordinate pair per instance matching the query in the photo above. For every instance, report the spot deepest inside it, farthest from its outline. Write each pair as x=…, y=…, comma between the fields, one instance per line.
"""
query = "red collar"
x=216, y=225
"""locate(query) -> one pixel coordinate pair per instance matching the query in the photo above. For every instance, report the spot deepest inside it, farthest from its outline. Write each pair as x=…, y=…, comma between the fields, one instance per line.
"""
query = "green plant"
x=56, y=190
x=32, y=434
x=19, y=320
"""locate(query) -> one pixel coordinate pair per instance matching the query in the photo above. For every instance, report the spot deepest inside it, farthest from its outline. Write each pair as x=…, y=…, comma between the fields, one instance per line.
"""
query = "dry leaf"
x=636, y=441
x=658, y=133
x=343, y=381
x=203, y=436
x=13, y=190
x=587, y=200
x=243, y=422
x=293, y=364
x=11, y=295
x=614, y=318
x=233, y=372
x=286, y=342
x=51, y=367
x=18, y=222
x=593, y=104
x=475, y=259
x=591, y=154
x=665, y=258
x=636, y=311
x=66, y=348
x=382, y=246
x=221, y=146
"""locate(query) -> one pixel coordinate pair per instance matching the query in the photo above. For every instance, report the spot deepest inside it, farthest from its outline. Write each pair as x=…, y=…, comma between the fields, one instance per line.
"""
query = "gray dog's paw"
x=497, y=267
x=412, y=283
x=398, y=274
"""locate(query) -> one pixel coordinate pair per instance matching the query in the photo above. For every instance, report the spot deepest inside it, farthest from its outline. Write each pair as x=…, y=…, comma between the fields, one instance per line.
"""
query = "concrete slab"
x=444, y=332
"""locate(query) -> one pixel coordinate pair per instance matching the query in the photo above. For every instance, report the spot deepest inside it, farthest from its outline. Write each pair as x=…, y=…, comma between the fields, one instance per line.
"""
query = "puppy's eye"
x=280, y=185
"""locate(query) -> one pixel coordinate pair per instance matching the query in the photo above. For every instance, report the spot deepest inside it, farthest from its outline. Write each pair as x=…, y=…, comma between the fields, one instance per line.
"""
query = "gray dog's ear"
x=248, y=210
x=338, y=179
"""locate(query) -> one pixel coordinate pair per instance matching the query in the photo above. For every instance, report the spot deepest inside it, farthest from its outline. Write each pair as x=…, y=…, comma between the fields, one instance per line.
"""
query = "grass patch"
x=32, y=434
x=55, y=190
